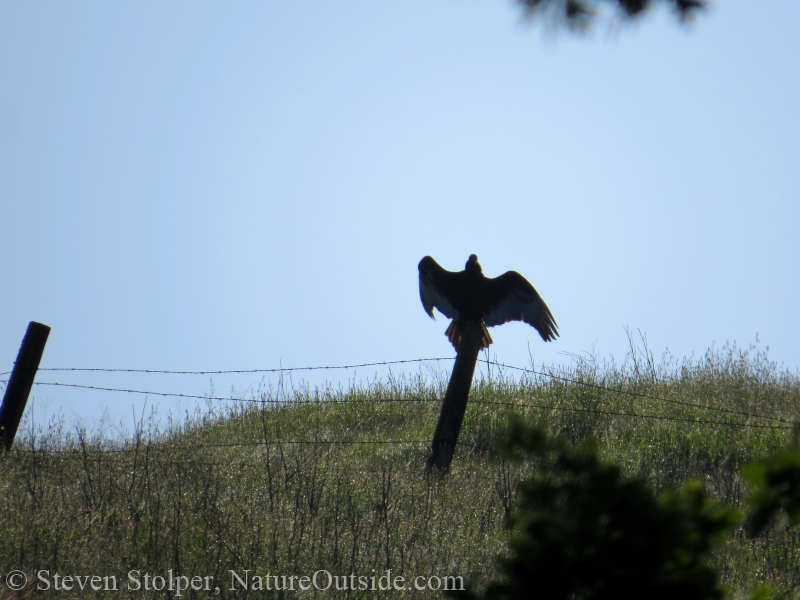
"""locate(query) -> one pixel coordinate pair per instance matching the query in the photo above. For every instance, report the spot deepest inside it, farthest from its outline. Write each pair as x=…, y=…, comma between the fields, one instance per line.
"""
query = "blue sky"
x=247, y=185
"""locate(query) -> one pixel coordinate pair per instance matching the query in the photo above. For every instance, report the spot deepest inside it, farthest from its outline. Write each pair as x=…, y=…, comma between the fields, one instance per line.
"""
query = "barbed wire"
x=643, y=395
x=274, y=370
x=488, y=362
x=636, y=415
x=500, y=365
x=474, y=401
x=261, y=443
x=260, y=462
x=130, y=450
x=152, y=393
x=136, y=449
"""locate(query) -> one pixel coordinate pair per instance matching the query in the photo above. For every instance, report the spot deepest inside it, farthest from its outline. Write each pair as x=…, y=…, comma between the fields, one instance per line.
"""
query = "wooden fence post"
x=21, y=381
x=455, y=399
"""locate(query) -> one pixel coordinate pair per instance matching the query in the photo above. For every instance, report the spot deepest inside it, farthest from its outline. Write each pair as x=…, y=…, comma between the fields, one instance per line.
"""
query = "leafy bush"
x=775, y=485
x=582, y=530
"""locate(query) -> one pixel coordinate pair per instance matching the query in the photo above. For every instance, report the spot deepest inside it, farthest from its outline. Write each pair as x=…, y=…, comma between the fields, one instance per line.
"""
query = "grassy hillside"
x=291, y=484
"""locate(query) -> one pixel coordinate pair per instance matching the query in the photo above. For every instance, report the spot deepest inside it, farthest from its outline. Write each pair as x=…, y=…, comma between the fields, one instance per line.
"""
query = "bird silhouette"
x=468, y=297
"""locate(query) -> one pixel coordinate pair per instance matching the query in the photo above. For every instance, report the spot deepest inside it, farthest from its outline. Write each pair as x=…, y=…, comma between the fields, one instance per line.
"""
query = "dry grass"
x=290, y=486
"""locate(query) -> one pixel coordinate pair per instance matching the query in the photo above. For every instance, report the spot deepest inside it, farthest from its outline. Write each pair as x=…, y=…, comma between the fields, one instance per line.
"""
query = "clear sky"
x=239, y=185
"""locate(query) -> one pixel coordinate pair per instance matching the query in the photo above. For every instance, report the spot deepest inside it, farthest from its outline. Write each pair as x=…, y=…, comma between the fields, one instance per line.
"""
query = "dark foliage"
x=581, y=14
x=583, y=531
x=775, y=489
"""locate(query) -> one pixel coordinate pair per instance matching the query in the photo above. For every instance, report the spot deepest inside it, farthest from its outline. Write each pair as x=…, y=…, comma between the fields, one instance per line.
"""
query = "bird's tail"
x=454, y=333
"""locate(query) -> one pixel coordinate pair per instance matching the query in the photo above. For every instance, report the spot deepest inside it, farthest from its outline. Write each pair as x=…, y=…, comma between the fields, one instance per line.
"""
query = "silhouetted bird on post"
x=470, y=298
x=474, y=302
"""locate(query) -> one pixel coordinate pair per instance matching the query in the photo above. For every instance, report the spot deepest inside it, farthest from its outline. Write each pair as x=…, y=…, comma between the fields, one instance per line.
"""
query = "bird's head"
x=472, y=264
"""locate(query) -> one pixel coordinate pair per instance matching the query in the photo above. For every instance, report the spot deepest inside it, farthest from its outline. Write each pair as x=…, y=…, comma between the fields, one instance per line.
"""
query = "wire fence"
x=277, y=370
x=782, y=423
x=251, y=444
x=372, y=364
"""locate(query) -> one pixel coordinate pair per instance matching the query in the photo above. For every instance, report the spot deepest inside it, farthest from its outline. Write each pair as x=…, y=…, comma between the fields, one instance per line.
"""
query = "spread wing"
x=511, y=297
x=434, y=285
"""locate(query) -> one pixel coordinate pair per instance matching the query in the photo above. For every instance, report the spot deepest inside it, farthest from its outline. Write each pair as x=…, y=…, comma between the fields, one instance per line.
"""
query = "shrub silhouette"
x=774, y=489
x=583, y=531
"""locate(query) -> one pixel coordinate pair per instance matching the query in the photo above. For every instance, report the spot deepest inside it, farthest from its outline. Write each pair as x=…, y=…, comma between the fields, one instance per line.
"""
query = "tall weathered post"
x=21, y=381
x=455, y=400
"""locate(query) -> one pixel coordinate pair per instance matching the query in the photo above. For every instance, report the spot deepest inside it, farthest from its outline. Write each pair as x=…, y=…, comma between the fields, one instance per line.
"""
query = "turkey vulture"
x=469, y=297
